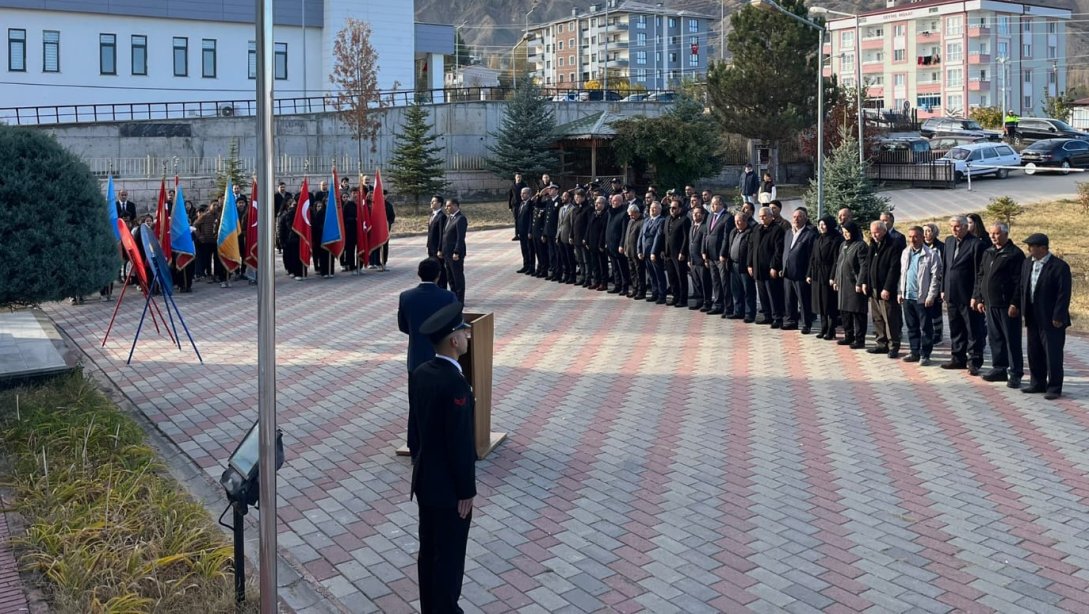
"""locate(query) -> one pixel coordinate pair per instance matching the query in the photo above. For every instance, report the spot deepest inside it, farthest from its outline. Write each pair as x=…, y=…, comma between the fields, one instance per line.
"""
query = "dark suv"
x=1031, y=129
x=954, y=126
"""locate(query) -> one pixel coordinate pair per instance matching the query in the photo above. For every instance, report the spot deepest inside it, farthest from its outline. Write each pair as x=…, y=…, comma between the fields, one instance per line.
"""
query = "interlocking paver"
x=658, y=460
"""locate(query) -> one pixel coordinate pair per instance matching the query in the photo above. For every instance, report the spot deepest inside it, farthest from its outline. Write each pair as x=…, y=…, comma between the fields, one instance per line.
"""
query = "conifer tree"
x=524, y=143
x=415, y=168
x=846, y=185
x=232, y=169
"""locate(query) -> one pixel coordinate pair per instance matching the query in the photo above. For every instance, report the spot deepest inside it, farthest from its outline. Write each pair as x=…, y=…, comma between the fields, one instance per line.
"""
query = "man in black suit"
x=435, y=226
x=524, y=230
x=797, y=249
x=514, y=199
x=734, y=255
x=1044, y=290
x=444, y=474
x=881, y=283
x=542, y=241
x=452, y=248
x=615, y=229
x=417, y=304
x=701, y=274
x=281, y=197
x=765, y=265
x=963, y=254
x=718, y=226
x=126, y=209
x=676, y=253
x=996, y=298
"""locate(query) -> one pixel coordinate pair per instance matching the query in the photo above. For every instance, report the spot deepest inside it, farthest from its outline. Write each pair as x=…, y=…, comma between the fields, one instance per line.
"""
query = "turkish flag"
x=301, y=224
x=251, y=229
x=378, y=234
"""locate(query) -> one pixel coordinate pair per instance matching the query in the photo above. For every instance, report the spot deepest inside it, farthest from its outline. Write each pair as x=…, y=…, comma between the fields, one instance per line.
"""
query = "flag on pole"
x=378, y=234
x=180, y=235
x=251, y=229
x=362, y=224
x=162, y=222
x=332, y=233
x=227, y=241
x=301, y=224
x=111, y=207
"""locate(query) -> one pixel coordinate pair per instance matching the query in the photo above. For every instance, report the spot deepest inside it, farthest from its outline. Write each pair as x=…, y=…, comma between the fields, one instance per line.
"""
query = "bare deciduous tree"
x=355, y=75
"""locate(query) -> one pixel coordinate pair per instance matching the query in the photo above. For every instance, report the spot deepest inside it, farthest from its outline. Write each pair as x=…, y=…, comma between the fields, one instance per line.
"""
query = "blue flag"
x=181, y=239
x=332, y=234
x=111, y=208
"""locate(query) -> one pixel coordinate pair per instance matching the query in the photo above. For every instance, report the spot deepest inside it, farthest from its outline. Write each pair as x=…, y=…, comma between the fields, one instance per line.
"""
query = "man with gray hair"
x=718, y=226
x=765, y=265
x=880, y=282
x=996, y=298
x=637, y=269
x=963, y=254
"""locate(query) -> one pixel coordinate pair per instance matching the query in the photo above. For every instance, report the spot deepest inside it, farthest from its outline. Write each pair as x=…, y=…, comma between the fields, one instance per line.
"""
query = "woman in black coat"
x=853, y=305
x=822, y=266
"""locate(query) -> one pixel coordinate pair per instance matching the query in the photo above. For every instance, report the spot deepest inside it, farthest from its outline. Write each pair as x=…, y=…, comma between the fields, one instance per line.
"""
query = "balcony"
x=870, y=67
x=928, y=60
x=979, y=58
x=978, y=31
x=927, y=37
x=617, y=27
x=928, y=87
x=617, y=63
x=875, y=91
x=873, y=43
x=976, y=84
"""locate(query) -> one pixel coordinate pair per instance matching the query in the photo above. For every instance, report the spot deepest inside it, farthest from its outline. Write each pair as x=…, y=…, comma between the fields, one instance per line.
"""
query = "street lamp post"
x=820, y=10
x=772, y=5
x=525, y=41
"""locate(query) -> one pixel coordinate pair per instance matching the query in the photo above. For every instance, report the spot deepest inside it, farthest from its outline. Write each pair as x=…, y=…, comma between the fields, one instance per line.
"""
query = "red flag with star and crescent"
x=162, y=222
x=251, y=229
x=301, y=224
x=378, y=233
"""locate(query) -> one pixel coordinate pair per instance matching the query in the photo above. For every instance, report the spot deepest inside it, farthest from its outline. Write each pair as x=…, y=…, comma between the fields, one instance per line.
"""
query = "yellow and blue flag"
x=227, y=241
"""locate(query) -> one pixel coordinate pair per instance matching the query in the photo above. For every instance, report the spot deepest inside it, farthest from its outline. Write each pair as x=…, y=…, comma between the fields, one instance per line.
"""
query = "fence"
x=923, y=173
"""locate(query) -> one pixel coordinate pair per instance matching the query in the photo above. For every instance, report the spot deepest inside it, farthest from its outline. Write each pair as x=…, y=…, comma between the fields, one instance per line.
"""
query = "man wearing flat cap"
x=1045, y=303
x=441, y=405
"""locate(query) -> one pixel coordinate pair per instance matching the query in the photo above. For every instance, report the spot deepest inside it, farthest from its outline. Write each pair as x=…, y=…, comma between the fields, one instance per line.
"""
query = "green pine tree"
x=682, y=144
x=846, y=185
x=232, y=169
x=415, y=168
x=524, y=143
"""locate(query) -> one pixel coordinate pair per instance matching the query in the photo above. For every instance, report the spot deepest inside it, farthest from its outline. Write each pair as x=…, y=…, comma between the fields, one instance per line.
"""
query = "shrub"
x=1083, y=196
x=988, y=117
x=57, y=239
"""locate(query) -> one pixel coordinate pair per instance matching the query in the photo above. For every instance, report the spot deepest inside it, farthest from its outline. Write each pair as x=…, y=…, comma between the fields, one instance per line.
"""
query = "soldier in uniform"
x=444, y=474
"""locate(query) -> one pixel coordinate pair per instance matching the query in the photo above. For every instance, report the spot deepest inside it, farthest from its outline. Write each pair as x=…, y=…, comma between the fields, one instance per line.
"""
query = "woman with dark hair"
x=853, y=305
x=979, y=229
x=822, y=271
x=766, y=193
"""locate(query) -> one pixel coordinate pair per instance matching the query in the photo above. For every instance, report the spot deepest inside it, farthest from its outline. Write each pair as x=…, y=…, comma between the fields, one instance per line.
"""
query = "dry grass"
x=482, y=216
x=107, y=531
x=1064, y=224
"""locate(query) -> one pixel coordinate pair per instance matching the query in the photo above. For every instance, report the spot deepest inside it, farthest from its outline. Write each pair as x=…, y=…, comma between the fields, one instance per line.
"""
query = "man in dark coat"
x=441, y=406
x=749, y=183
x=615, y=229
x=701, y=274
x=765, y=265
x=453, y=247
x=650, y=252
x=1044, y=290
x=542, y=241
x=996, y=298
x=435, y=226
x=963, y=254
x=881, y=283
x=514, y=199
x=676, y=253
x=126, y=209
x=579, y=221
x=524, y=231
x=416, y=305
x=637, y=268
x=551, y=228
x=718, y=226
x=594, y=240
x=797, y=249
x=734, y=257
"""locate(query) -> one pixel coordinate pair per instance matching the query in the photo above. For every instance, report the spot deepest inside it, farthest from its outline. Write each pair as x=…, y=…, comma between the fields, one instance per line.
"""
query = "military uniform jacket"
x=441, y=406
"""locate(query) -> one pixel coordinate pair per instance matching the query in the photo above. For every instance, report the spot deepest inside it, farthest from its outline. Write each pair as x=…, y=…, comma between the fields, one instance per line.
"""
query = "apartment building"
x=945, y=57
x=649, y=44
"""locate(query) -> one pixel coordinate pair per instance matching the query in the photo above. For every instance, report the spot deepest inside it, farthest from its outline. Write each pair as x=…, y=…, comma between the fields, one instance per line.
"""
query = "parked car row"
x=612, y=96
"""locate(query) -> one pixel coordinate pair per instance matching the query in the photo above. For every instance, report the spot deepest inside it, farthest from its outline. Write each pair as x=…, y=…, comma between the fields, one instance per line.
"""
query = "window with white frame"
x=560, y=61
x=570, y=43
x=847, y=62
x=559, y=46
x=693, y=25
x=954, y=25
x=847, y=39
x=899, y=79
x=640, y=57
x=50, y=51
x=641, y=74
x=641, y=23
x=954, y=103
x=1003, y=25
x=899, y=30
x=1002, y=49
x=693, y=59
x=1052, y=27
x=672, y=22
x=928, y=101
x=899, y=55
x=954, y=77
x=16, y=50
x=954, y=52
x=641, y=38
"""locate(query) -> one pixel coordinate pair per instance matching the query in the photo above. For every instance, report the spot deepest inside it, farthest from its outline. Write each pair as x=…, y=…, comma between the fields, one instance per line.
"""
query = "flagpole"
x=266, y=314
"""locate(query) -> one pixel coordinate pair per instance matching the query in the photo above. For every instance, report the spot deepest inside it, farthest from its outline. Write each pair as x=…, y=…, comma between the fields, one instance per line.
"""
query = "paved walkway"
x=12, y=596
x=659, y=460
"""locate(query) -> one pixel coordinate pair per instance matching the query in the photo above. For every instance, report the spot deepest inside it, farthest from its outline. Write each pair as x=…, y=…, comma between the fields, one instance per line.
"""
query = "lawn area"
x=1063, y=223
x=107, y=530
x=482, y=216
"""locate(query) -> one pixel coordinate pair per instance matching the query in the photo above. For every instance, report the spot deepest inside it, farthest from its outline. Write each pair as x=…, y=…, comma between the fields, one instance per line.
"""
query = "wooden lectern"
x=477, y=366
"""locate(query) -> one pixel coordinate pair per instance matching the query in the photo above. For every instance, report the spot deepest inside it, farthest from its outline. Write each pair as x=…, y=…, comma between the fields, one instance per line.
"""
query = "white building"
x=947, y=57
x=473, y=76
x=85, y=52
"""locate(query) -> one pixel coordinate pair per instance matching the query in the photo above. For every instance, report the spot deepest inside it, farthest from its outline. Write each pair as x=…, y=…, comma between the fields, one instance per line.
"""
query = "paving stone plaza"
x=658, y=459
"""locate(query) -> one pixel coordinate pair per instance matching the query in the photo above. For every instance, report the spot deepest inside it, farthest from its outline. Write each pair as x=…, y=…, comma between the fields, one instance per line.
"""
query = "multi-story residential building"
x=649, y=44
x=80, y=52
x=946, y=57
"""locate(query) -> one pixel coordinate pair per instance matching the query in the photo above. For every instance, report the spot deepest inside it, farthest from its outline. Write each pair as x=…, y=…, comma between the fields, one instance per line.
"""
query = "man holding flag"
x=300, y=228
x=227, y=238
x=378, y=235
x=251, y=235
x=332, y=236
x=181, y=241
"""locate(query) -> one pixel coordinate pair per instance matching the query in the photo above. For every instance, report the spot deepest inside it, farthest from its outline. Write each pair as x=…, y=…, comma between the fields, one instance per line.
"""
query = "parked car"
x=903, y=150
x=981, y=158
x=954, y=126
x=941, y=145
x=638, y=97
x=1063, y=154
x=1030, y=129
x=566, y=97
x=598, y=95
x=661, y=97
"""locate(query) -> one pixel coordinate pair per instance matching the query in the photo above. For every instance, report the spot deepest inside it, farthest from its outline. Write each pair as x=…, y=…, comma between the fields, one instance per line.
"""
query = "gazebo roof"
x=593, y=126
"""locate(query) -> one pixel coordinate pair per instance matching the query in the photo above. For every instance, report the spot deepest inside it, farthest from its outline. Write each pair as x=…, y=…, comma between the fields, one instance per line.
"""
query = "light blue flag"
x=111, y=208
x=181, y=238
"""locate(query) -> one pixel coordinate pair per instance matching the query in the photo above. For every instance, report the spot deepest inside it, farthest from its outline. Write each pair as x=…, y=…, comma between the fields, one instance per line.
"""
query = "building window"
x=1003, y=49
x=898, y=80
x=571, y=28
x=208, y=58
x=672, y=57
x=252, y=60
x=641, y=23
x=899, y=30
x=139, y=54
x=570, y=60
x=672, y=22
x=51, y=51
x=1052, y=27
x=928, y=101
x=1052, y=52
x=559, y=46
x=954, y=103
x=561, y=62
x=641, y=58
x=107, y=54
x=847, y=62
x=16, y=50
x=954, y=52
x=899, y=55
x=658, y=58
x=1027, y=106
x=954, y=26
x=570, y=43
x=954, y=77
x=641, y=74
x=641, y=38
x=560, y=80
x=280, y=61
x=1003, y=25
x=693, y=25
x=694, y=59
x=181, y=56
x=847, y=40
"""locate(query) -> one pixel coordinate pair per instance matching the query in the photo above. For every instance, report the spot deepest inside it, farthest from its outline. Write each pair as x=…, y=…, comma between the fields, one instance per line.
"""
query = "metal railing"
x=158, y=111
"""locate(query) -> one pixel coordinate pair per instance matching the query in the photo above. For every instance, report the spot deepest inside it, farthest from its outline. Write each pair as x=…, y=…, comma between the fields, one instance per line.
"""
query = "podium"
x=476, y=364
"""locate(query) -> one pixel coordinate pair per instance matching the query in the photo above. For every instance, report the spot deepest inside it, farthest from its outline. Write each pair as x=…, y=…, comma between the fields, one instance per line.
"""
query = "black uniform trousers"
x=582, y=261
x=455, y=276
x=799, y=302
x=677, y=271
x=544, y=255
x=1045, y=354
x=743, y=289
x=620, y=272
x=1004, y=336
x=966, y=334
x=441, y=560
x=854, y=326
x=528, y=249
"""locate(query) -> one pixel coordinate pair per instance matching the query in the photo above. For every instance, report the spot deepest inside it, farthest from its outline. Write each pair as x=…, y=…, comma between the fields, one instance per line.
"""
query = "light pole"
x=525, y=41
x=772, y=5
x=820, y=10
x=1003, y=62
x=605, y=71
